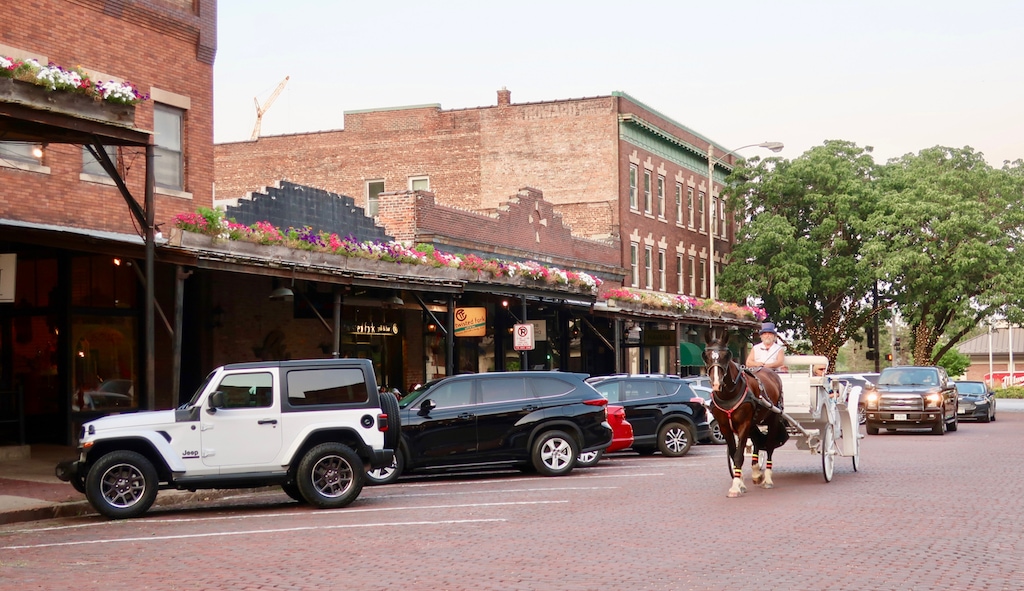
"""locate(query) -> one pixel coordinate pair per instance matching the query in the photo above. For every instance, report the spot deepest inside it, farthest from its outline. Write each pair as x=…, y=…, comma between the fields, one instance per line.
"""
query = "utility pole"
x=874, y=294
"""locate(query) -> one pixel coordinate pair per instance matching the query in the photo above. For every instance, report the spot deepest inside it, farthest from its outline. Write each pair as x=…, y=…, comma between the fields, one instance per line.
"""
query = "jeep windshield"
x=195, y=397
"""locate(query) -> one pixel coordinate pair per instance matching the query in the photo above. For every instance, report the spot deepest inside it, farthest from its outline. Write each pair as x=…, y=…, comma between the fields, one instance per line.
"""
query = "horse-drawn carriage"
x=820, y=416
x=767, y=408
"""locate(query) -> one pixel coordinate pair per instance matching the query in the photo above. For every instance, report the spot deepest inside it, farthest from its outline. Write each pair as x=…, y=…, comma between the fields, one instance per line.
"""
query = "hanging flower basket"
x=68, y=103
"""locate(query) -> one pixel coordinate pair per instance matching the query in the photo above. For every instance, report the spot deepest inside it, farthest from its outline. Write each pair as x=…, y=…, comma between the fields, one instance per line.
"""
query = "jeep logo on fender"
x=190, y=453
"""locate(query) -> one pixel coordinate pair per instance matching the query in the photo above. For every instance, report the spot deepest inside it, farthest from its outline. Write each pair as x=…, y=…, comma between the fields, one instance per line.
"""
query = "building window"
x=633, y=264
x=647, y=191
x=168, y=158
x=661, y=197
x=700, y=209
x=632, y=186
x=661, y=269
x=703, y=279
x=92, y=166
x=373, y=191
x=419, y=183
x=721, y=219
x=679, y=273
x=649, y=266
x=19, y=153
x=693, y=277
x=689, y=205
x=679, y=203
x=714, y=216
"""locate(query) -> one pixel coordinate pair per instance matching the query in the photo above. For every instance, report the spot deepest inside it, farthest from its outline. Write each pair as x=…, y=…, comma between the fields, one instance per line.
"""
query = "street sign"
x=522, y=337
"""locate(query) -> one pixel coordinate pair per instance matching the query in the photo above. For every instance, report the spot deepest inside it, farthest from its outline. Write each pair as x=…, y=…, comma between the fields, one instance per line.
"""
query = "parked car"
x=715, y=436
x=911, y=397
x=539, y=420
x=857, y=382
x=110, y=395
x=661, y=408
x=622, y=437
x=977, y=401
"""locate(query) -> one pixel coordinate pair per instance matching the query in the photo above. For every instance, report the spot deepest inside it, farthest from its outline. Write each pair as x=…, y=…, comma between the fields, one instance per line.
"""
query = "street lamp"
x=712, y=161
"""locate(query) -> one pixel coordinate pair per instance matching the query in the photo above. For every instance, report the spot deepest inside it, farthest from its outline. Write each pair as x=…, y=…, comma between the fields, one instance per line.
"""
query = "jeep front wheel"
x=122, y=484
x=330, y=476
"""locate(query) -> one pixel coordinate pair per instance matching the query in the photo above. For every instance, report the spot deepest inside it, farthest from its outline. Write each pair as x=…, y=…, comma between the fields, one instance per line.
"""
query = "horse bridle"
x=718, y=370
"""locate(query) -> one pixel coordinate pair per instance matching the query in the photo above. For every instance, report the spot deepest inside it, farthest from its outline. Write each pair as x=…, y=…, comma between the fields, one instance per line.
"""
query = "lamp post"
x=712, y=161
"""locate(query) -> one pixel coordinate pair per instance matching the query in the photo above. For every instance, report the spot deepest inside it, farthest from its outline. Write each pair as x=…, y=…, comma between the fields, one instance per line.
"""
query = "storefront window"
x=103, y=352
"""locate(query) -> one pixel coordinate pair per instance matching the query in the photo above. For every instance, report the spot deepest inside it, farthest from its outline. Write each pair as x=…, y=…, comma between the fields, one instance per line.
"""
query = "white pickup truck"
x=311, y=426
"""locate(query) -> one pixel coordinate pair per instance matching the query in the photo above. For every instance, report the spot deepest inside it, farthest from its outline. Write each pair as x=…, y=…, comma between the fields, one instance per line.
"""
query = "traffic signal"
x=896, y=345
x=871, y=354
x=871, y=339
x=888, y=356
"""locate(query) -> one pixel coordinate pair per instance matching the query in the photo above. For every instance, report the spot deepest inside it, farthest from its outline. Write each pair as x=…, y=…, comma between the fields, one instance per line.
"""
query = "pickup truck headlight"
x=933, y=399
x=871, y=399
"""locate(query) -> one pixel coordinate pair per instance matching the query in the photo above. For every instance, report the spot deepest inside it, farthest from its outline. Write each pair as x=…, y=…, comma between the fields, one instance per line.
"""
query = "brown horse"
x=741, y=401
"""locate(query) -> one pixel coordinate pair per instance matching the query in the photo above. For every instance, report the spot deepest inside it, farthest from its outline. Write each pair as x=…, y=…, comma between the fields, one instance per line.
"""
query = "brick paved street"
x=924, y=513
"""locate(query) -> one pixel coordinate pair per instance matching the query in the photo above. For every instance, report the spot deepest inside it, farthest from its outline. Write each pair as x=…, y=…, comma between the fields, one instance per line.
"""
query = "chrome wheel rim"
x=556, y=454
x=332, y=476
x=675, y=440
x=122, y=485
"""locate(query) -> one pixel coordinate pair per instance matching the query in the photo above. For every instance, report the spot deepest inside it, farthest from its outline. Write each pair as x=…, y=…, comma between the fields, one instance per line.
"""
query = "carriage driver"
x=770, y=353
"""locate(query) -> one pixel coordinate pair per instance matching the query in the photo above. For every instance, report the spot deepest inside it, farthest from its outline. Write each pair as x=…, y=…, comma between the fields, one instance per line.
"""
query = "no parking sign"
x=522, y=337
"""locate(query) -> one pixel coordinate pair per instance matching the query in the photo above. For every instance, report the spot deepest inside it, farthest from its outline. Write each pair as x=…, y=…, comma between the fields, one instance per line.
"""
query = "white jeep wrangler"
x=311, y=426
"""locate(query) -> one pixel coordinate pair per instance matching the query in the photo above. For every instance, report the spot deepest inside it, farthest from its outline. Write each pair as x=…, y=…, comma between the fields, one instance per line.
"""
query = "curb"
x=168, y=498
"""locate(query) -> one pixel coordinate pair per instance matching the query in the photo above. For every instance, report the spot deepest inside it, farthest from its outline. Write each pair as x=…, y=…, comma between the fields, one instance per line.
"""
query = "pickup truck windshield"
x=908, y=377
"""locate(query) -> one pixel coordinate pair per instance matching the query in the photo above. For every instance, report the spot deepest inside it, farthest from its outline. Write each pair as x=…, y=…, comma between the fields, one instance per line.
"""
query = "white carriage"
x=820, y=416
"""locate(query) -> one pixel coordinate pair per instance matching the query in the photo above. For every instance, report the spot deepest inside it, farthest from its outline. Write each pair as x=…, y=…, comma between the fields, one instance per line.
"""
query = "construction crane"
x=266, y=105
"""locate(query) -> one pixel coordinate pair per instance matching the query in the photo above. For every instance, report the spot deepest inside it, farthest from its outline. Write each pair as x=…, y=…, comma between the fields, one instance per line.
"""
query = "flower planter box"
x=65, y=102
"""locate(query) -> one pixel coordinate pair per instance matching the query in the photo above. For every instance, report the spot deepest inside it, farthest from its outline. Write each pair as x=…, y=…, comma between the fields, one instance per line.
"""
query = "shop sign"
x=659, y=338
x=386, y=329
x=8, y=270
x=540, y=329
x=470, y=322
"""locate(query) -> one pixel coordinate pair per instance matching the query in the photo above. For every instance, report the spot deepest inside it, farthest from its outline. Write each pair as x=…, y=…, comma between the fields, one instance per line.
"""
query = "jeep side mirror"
x=216, y=401
x=427, y=406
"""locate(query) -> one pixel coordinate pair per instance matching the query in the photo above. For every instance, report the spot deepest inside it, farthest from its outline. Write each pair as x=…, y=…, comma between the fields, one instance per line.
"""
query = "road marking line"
x=250, y=532
x=491, y=492
x=505, y=480
x=344, y=511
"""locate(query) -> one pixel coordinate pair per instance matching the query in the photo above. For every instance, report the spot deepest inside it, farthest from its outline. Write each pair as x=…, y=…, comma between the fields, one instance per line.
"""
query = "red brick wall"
x=164, y=44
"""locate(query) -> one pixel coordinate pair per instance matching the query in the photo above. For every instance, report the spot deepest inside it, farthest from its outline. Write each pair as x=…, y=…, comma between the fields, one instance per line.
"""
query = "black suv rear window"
x=326, y=386
x=550, y=386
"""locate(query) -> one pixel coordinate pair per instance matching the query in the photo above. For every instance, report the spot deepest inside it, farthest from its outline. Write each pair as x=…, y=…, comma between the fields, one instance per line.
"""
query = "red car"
x=622, y=436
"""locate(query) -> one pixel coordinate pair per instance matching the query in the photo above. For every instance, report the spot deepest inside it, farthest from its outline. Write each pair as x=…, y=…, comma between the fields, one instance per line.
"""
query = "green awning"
x=690, y=355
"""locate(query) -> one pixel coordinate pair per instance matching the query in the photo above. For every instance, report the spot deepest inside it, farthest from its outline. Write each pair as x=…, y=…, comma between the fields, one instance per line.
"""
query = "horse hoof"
x=767, y=485
x=733, y=494
x=758, y=479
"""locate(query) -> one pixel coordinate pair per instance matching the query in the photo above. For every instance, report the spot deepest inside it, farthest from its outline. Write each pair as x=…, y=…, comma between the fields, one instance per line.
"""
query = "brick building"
x=74, y=335
x=611, y=167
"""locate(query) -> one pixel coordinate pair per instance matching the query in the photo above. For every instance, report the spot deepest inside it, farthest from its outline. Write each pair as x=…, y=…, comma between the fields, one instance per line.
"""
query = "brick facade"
x=165, y=45
x=577, y=151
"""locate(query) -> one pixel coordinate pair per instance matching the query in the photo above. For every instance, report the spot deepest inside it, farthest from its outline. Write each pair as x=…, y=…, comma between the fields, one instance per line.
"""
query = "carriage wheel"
x=856, y=458
x=828, y=453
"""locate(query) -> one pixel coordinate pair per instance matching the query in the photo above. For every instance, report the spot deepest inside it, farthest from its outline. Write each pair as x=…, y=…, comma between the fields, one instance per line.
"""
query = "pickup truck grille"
x=893, y=403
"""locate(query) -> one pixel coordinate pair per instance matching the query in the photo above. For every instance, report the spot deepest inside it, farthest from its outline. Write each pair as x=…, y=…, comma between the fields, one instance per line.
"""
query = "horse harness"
x=747, y=395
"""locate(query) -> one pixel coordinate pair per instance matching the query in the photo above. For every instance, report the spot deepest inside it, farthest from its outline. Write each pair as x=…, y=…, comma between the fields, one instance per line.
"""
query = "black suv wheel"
x=675, y=439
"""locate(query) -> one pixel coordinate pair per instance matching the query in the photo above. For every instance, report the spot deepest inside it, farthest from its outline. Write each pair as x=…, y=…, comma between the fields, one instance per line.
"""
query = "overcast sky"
x=893, y=74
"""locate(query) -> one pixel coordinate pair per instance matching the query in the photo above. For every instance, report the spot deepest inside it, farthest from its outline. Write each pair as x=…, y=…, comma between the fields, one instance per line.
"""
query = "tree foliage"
x=944, y=244
x=800, y=249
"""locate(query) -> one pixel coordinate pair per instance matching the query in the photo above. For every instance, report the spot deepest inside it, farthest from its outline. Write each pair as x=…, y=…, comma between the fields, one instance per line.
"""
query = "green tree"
x=799, y=251
x=943, y=243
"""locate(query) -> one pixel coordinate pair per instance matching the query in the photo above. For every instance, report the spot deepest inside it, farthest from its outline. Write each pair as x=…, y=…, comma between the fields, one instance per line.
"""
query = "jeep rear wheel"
x=389, y=405
x=122, y=484
x=554, y=453
x=330, y=476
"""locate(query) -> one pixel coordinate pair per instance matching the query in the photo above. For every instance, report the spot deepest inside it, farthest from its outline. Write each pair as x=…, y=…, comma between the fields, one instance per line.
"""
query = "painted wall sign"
x=372, y=328
x=470, y=322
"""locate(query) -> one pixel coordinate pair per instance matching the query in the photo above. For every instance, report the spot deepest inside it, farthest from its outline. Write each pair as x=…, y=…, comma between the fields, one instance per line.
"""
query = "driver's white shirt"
x=764, y=354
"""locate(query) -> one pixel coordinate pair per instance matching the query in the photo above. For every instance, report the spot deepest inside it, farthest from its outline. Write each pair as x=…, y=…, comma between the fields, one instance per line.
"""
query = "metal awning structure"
x=29, y=114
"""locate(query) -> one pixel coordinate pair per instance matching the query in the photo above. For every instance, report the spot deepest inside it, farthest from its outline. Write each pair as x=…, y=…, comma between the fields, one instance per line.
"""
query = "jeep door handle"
x=267, y=422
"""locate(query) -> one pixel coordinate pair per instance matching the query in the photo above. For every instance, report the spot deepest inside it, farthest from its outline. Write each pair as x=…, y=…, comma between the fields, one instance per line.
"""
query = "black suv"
x=666, y=415
x=531, y=419
x=911, y=397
